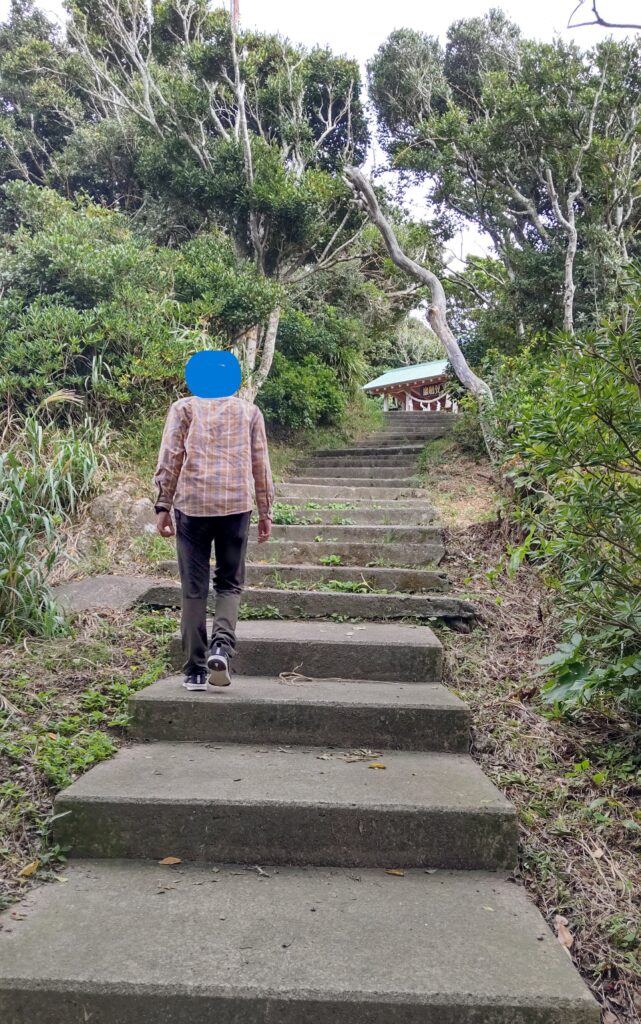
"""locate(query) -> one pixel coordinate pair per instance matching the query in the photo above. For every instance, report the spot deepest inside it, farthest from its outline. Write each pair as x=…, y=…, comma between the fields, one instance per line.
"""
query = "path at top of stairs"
x=368, y=856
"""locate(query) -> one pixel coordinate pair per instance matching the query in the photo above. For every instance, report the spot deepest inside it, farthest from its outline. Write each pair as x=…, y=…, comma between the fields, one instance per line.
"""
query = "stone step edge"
x=289, y=602
x=333, y=713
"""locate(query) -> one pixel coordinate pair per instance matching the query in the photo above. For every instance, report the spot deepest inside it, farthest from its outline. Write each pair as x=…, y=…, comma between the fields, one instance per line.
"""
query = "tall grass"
x=45, y=473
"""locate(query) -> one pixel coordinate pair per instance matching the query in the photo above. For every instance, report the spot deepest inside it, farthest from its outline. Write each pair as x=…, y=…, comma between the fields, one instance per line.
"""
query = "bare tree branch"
x=597, y=19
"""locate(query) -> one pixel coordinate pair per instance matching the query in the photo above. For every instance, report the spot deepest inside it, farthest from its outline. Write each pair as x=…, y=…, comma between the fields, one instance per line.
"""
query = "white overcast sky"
x=358, y=27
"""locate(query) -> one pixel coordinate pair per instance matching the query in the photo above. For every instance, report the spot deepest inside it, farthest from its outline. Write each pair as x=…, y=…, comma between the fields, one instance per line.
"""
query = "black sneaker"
x=195, y=681
x=218, y=665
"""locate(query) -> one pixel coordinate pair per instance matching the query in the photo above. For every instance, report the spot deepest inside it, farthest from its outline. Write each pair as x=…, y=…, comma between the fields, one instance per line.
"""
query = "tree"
x=248, y=131
x=40, y=107
x=535, y=143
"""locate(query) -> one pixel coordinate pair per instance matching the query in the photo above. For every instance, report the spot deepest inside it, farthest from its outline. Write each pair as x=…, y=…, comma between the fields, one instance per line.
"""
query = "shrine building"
x=420, y=388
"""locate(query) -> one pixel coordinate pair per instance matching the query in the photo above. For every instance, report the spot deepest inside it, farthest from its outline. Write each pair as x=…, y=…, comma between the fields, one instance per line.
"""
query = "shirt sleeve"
x=261, y=470
x=171, y=455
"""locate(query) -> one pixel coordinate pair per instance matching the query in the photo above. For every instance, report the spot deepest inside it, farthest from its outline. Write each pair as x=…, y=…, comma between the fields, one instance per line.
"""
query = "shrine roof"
x=409, y=374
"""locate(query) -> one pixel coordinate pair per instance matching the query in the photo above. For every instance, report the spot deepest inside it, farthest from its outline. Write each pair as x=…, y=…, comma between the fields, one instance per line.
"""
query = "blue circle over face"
x=213, y=374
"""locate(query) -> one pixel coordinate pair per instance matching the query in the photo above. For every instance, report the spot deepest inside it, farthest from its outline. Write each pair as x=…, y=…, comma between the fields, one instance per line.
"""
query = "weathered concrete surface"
x=409, y=581
x=394, y=652
x=339, y=492
x=350, y=552
x=350, y=469
x=322, y=604
x=336, y=712
x=413, y=448
x=116, y=945
x=403, y=483
x=234, y=802
x=382, y=460
x=101, y=592
x=364, y=514
x=364, y=533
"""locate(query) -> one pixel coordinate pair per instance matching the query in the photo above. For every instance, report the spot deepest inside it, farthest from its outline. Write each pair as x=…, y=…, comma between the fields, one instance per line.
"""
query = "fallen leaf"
x=563, y=934
x=170, y=860
x=29, y=869
x=377, y=764
x=598, y=854
x=397, y=872
x=609, y=1018
x=491, y=909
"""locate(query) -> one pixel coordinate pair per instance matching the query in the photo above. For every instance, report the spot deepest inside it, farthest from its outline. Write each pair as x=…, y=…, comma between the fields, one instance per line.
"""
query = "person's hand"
x=264, y=529
x=164, y=524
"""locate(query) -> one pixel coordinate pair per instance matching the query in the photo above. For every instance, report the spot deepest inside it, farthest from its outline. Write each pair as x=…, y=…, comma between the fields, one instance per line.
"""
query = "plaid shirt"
x=213, y=456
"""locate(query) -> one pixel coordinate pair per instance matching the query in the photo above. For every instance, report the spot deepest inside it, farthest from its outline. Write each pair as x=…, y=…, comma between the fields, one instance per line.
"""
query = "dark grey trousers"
x=194, y=538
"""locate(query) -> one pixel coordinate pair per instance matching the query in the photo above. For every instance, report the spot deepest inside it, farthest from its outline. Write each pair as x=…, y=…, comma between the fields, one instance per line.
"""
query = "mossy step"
x=288, y=603
x=306, y=576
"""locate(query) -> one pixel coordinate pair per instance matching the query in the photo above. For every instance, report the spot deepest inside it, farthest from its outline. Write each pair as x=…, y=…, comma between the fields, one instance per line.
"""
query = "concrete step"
x=361, y=532
x=296, y=805
x=395, y=653
x=350, y=469
x=380, y=459
x=391, y=442
x=337, y=492
x=408, y=581
x=323, y=604
x=364, y=448
x=115, y=945
x=362, y=500
x=402, y=483
x=365, y=513
x=349, y=552
x=336, y=712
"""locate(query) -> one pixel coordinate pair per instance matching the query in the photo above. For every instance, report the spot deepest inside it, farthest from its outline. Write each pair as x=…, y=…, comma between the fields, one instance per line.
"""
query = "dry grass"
x=574, y=781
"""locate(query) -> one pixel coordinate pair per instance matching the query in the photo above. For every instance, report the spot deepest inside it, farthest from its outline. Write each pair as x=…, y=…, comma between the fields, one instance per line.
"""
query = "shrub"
x=571, y=429
x=44, y=474
x=303, y=394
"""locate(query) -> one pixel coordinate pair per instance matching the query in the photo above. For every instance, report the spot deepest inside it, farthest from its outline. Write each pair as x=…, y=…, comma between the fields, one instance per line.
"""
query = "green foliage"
x=301, y=395
x=481, y=124
x=44, y=474
x=467, y=432
x=91, y=306
x=571, y=430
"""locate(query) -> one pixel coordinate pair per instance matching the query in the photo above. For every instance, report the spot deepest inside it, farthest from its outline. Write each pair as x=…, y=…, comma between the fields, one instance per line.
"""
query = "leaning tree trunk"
x=437, y=311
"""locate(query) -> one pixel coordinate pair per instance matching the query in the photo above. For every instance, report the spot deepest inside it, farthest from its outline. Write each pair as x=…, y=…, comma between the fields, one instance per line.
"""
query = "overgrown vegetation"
x=63, y=708
x=45, y=473
x=571, y=431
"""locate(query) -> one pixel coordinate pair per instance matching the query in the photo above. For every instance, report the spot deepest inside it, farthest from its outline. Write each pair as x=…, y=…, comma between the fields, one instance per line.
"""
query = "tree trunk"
x=256, y=376
x=437, y=312
x=569, y=287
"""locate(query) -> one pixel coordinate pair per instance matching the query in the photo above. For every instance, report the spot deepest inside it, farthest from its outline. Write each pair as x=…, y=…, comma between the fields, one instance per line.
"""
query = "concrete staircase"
x=342, y=858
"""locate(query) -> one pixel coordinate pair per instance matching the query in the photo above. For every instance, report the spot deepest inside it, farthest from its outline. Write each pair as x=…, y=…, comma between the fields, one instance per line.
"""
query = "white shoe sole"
x=195, y=686
x=218, y=672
